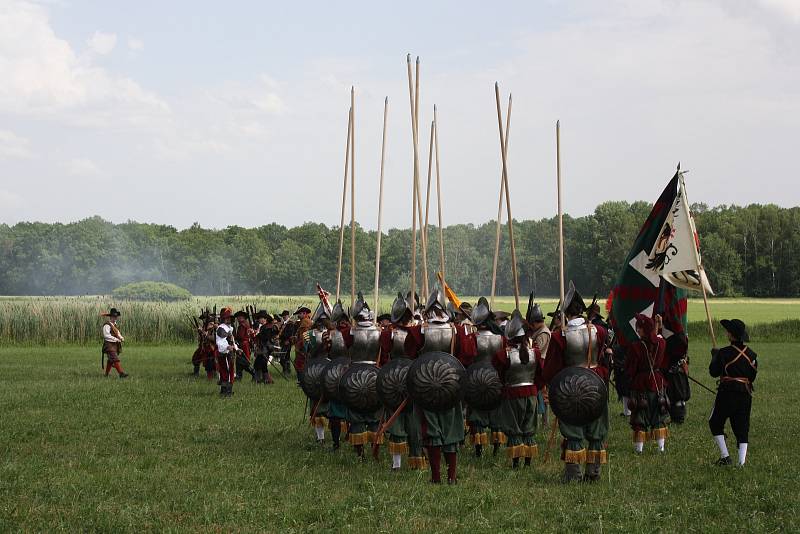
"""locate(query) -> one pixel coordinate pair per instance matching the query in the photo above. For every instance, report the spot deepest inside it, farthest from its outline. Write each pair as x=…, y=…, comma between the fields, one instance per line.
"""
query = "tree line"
x=747, y=251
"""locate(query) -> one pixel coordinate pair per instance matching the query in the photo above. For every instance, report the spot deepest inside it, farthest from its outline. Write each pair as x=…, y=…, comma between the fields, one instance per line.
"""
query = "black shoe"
x=478, y=451
x=724, y=461
x=124, y=375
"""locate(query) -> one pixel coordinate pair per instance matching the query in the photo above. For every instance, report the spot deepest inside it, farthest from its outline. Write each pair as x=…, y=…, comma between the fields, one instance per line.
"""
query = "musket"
x=530, y=306
x=701, y=384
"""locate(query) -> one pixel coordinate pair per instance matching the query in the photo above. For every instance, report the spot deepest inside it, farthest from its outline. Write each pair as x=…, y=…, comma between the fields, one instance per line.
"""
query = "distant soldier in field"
x=244, y=335
x=226, y=352
x=112, y=343
x=286, y=330
x=645, y=362
x=736, y=367
x=677, y=375
x=317, y=345
x=340, y=340
x=540, y=338
x=264, y=338
x=496, y=435
x=303, y=325
x=579, y=343
x=205, y=354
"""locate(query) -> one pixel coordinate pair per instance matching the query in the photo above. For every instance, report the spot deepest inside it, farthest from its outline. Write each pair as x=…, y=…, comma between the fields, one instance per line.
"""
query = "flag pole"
x=412, y=303
x=380, y=208
x=508, y=197
x=353, y=200
x=439, y=195
x=500, y=212
x=344, y=199
x=560, y=221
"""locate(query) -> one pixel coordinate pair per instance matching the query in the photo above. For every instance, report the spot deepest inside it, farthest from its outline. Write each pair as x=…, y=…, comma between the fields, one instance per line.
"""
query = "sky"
x=236, y=113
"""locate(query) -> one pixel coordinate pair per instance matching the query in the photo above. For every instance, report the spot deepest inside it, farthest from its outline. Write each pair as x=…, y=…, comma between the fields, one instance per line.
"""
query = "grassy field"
x=75, y=320
x=160, y=451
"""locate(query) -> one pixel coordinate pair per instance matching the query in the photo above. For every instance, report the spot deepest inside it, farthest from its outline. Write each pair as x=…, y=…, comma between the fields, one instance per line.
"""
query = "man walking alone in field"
x=112, y=342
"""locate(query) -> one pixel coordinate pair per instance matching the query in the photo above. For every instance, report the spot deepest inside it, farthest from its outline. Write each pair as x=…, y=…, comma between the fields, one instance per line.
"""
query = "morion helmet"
x=338, y=312
x=436, y=302
x=400, y=310
x=320, y=314
x=515, y=326
x=573, y=302
x=481, y=313
x=361, y=311
x=535, y=314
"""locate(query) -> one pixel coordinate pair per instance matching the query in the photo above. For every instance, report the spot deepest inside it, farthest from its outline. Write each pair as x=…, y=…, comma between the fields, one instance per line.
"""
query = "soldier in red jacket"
x=645, y=362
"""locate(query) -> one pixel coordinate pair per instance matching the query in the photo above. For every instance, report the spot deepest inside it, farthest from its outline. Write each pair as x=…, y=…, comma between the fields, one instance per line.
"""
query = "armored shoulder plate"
x=488, y=345
x=578, y=395
x=520, y=374
x=438, y=338
x=338, y=348
x=366, y=344
x=576, y=352
x=398, y=343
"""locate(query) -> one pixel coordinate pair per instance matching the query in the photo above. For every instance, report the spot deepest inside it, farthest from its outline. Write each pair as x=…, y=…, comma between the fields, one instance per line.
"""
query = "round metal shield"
x=333, y=372
x=358, y=387
x=578, y=395
x=392, y=382
x=482, y=386
x=312, y=377
x=434, y=381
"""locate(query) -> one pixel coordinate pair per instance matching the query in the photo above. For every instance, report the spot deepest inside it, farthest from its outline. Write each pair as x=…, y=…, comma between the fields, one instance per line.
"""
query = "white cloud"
x=44, y=77
x=135, y=45
x=83, y=167
x=787, y=8
x=102, y=43
x=14, y=146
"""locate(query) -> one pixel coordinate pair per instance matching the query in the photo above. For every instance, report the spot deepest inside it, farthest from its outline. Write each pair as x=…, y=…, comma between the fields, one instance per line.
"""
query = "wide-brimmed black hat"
x=384, y=317
x=113, y=312
x=302, y=309
x=285, y=313
x=264, y=314
x=737, y=328
x=241, y=313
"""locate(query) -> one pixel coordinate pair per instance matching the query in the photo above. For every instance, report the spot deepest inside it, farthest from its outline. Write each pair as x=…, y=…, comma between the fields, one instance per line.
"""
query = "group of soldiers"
x=429, y=378
x=230, y=344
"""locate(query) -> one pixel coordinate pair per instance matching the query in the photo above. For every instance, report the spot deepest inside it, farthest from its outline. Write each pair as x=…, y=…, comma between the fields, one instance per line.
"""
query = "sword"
x=701, y=384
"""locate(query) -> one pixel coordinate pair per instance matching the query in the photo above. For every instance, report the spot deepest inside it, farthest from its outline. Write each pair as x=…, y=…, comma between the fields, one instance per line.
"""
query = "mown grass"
x=60, y=320
x=160, y=451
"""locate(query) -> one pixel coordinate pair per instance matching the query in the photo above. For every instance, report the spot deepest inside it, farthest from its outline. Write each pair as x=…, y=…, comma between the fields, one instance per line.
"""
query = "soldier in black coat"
x=736, y=367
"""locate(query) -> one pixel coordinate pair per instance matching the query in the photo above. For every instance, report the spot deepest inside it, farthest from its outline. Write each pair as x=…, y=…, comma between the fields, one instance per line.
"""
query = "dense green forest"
x=749, y=251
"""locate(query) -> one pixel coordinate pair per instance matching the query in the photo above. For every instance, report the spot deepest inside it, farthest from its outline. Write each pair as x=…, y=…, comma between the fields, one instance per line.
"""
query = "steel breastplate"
x=398, y=343
x=488, y=345
x=577, y=339
x=438, y=338
x=519, y=374
x=338, y=348
x=366, y=344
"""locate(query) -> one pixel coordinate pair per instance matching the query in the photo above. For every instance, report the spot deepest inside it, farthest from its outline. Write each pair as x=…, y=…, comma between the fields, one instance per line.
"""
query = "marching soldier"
x=518, y=363
x=540, y=337
x=243, y=334
x=488, y=344
x=341, y=340
x=303, y=326
x=226, y=352
x=365, y=349
x=287, y=329
x=264, y=338
x=645, y=361
x=579, y=343
x=112, y=343
x=317, y=346
x=736, y=367
x=442, y=431
x=677, y=375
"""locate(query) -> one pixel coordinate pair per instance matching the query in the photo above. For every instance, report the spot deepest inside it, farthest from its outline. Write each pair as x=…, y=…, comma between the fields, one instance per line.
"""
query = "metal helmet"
x=573, y=302
x=361, y=311
x=535, y=314
x=401, y=311
x=578, y=395
x=435, y=302
x=338, y=312
x=481, y=313
x=515, y=326
x=320, y=314
x=415, y=304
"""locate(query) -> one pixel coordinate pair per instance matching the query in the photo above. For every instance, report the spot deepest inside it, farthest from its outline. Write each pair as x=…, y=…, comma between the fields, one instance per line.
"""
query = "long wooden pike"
x=423, y=235
x=380, y=209
x=508, y=196
x=353, y=200
x=439, y=194
x=411, y=302
x=560, y=222
x=344, y=198
x=428, y=206
x=500, y=211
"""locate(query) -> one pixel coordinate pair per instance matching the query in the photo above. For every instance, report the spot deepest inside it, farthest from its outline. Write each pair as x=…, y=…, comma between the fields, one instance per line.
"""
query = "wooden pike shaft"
x=344, y=198
x=508, y=197
x=500, y=212
x=353, y=200
x=428, y=204
x=439, y=193
x=414, y=189
x=380, y=207
x=560, y=221
x=708, y=310
x=423, y=235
